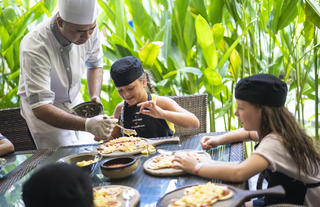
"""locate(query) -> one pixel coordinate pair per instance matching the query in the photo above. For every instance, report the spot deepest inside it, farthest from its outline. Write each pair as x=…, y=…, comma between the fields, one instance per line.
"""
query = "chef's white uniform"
x=51, y=71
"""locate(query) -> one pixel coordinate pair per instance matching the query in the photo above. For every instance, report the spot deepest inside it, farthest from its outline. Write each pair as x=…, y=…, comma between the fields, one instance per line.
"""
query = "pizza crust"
x=122, y=144
x=202, y=195
x=111, y=195
x=161, y=165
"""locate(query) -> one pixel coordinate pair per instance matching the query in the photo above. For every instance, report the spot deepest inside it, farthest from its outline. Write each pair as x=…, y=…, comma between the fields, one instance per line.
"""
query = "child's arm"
x=168, y=109
x=238, y=135
x=5, y=146
x=222, y=170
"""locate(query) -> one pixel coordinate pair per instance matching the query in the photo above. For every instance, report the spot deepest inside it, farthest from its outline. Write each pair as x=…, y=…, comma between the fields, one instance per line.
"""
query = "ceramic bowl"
x=119, y=167
x=78, y=159
x=88, y=109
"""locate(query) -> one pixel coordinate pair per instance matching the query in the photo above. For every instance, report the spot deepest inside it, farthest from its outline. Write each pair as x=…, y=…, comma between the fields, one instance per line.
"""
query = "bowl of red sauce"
x=119, y=167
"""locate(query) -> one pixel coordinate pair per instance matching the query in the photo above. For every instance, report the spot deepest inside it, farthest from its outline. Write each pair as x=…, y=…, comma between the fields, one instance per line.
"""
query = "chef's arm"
x=94, y=79
x=56, y=117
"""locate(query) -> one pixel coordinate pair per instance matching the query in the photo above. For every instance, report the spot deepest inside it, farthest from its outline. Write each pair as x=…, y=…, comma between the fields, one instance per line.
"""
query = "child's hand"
x=151, y=109
x=184, y=161
x=208, y=142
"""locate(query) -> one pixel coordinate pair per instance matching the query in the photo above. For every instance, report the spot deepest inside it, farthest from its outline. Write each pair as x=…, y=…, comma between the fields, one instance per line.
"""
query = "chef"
x=53, y=58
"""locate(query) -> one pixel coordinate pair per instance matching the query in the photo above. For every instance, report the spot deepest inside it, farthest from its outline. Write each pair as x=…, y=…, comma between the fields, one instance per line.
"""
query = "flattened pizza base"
x=204, y=194
x=119, y=201
x=170, y=171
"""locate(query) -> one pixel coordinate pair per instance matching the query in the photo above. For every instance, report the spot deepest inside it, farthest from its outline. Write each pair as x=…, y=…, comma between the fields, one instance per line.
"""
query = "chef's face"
x=75, y=33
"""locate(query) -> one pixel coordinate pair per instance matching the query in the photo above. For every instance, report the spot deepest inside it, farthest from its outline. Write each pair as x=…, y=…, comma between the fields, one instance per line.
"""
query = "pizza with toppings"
x=103, y=197
x=202, y=195
x=161, y=161
x=112, y=196
x=166, y=161
x=122, y=144
x=162, y=165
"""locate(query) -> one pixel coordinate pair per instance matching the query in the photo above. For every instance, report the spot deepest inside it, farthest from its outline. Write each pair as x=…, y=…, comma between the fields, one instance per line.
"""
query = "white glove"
x=100, y=126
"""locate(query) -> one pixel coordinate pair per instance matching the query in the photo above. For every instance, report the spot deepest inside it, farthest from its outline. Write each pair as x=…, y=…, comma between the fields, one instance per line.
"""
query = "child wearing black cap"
x=148, y=114
x=58, y=185
x=284, y=151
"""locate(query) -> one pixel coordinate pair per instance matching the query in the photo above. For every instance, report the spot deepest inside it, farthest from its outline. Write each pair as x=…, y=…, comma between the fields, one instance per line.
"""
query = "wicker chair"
x=14, y=127
x=196, y=104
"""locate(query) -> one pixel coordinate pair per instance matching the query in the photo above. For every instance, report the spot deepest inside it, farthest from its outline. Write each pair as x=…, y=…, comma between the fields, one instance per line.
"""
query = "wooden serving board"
x=133, y=202
x=238, y=198
x=172, y=171
x=147, y=142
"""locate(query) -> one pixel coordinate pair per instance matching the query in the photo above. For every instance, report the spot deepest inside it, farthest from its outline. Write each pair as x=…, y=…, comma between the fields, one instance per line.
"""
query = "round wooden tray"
x=147, y=142
x=239, y=196
x=172, y=171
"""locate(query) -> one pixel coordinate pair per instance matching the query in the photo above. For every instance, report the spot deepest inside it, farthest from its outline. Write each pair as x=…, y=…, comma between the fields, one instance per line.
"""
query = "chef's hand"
x=184, y=161
x=151, y=109
x=96, y=99
x=100, y=126
x=208, y=142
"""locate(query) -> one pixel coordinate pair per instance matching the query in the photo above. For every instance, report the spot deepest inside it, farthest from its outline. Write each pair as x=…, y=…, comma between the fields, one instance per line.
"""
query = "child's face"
x=249, y=115
x=133, y=93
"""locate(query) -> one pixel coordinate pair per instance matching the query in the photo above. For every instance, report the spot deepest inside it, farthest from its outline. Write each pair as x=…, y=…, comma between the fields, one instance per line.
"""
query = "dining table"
x=151, y=188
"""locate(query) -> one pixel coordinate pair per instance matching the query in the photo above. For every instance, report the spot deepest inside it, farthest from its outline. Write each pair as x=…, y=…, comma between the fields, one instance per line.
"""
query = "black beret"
x=58, y=184
x=263, y=89
x=126, y=70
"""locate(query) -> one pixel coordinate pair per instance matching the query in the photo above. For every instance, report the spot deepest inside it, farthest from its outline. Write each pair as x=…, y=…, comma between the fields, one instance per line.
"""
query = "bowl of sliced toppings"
x=86, y=160
x=88, y=109
x=119, y=167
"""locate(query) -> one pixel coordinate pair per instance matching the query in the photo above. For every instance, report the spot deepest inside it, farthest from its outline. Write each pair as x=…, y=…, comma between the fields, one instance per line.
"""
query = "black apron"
x=145, y=126
x=295, y=189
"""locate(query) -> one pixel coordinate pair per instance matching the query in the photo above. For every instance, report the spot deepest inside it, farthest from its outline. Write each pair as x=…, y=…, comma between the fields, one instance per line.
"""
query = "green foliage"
x=15, y=17
x=188, y=46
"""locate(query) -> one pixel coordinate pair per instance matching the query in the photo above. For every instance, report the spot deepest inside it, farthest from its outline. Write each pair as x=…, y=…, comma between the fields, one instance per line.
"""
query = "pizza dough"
x=202, y=195
x=111, y=196
x=161, y=165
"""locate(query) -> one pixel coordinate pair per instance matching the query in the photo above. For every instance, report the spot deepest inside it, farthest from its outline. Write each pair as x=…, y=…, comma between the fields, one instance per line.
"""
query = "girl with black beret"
x=285, y=152
x=150, y=115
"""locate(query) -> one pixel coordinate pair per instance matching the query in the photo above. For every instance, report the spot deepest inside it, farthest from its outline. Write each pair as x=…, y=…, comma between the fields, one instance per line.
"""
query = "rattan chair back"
x=196, y=104
x=14, y=127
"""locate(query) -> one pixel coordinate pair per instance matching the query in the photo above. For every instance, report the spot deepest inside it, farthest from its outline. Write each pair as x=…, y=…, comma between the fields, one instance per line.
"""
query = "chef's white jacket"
x=50, y=73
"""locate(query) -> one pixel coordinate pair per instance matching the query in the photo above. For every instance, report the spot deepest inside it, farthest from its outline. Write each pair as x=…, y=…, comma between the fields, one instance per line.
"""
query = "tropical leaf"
x=148, y=54
x=215, y=11
x=120, y=19
x=20, y=27
x=308, y=32
x=143, y=23
x=198, y=7
x=218, y=33
x=234, y=44
x=289, y=12
x=235, y=64
x=206, y=42
x=312, y=10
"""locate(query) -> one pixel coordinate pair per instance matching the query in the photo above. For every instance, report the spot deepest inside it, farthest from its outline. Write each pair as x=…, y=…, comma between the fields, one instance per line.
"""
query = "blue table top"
x=151, y=188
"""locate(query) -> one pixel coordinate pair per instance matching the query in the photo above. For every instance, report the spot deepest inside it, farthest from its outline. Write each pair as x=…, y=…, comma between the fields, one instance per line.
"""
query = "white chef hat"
x=78, y=11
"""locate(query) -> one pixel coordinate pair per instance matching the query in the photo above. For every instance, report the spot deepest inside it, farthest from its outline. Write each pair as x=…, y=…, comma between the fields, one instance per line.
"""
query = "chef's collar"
x=60, y=38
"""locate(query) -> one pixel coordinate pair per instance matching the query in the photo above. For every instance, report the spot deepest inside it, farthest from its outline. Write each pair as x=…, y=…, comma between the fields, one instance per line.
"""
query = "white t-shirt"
x=280, y=160
x=51, y=73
